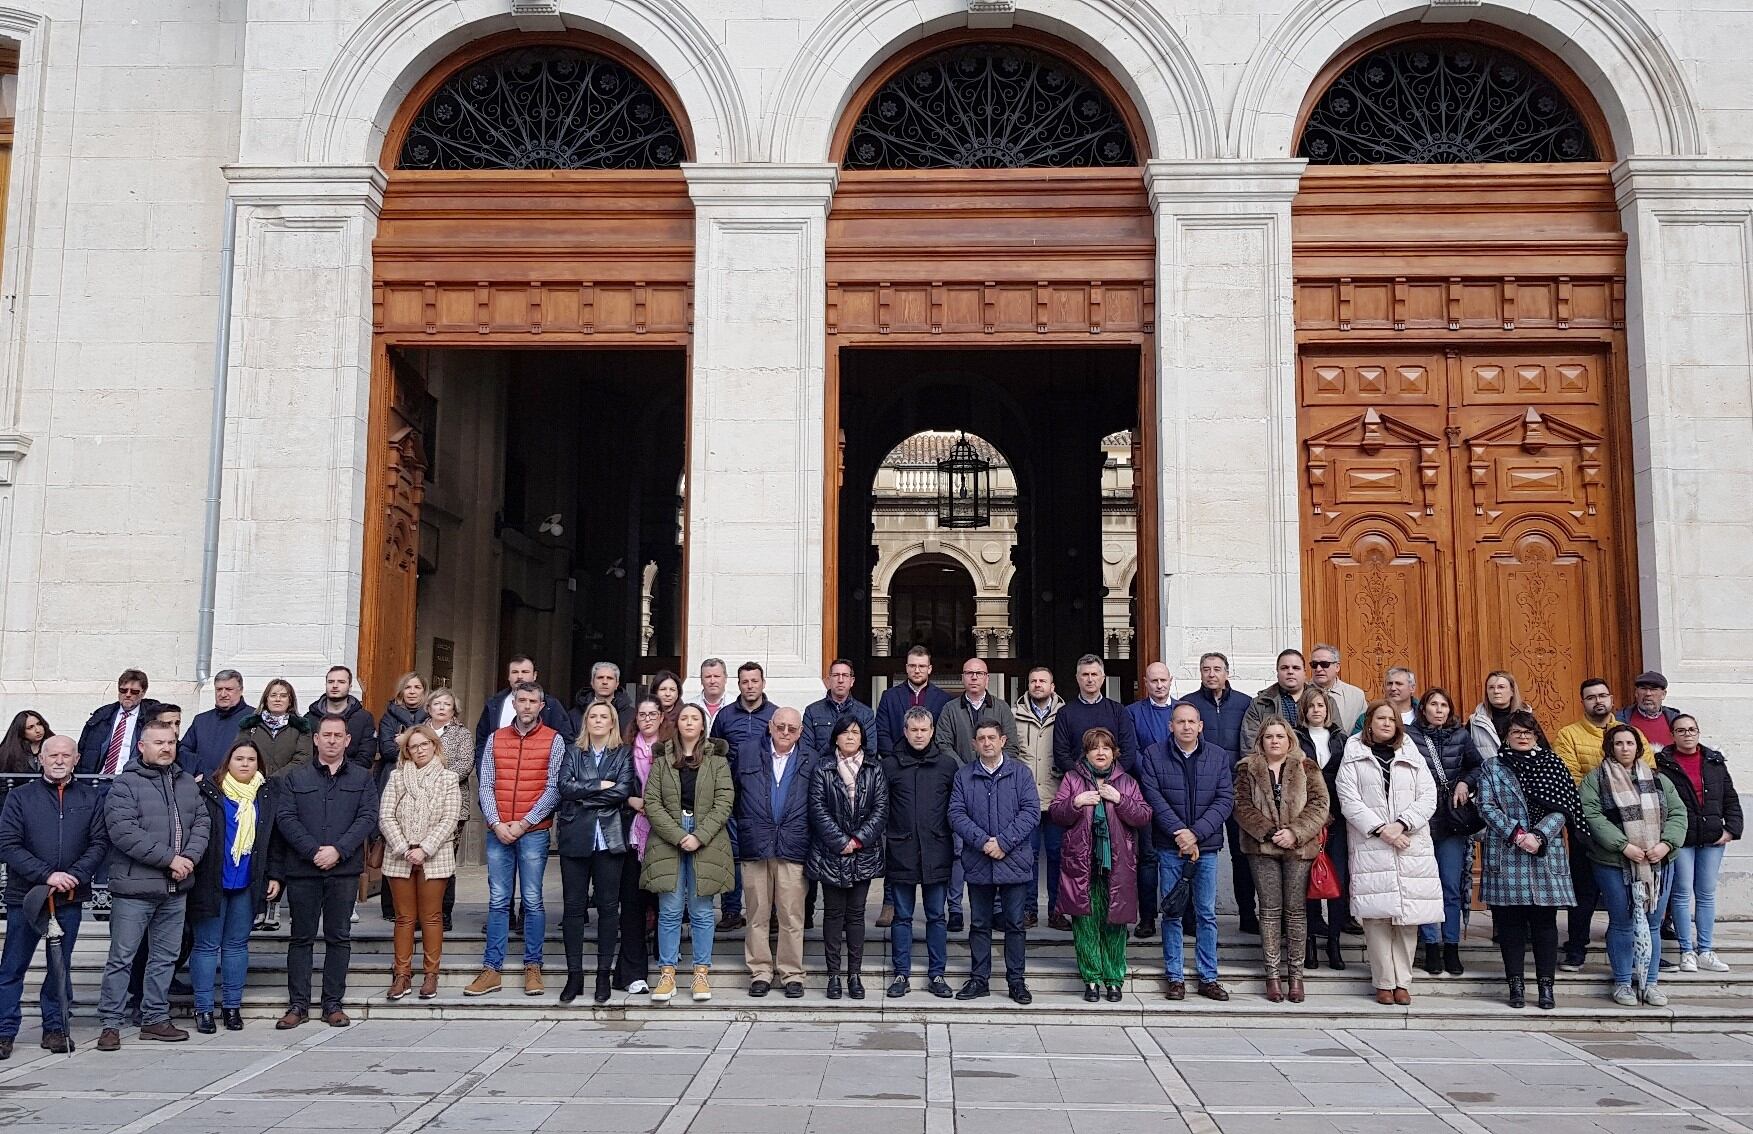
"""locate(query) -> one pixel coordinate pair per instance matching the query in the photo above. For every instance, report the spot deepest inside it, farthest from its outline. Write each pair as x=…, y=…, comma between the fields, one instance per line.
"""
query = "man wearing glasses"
x=773, y=836
x=1324, y=673
x=956, y=723
x=106, y=744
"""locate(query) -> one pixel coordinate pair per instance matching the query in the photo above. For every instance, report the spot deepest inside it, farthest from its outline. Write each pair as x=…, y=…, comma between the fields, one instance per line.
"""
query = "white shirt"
x=781, y=760
x=507, y=712
x=1323, y=748
x=130, y=719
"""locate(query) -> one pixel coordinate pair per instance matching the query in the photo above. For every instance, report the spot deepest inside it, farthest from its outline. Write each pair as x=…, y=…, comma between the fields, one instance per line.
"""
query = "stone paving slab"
x=741, y=1077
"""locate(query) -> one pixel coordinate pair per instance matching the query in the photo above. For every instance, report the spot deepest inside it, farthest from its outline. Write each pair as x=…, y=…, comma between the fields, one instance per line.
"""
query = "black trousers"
x=1517, y=926
x=577, y=875
x=1241, y=876
x=633, y=959
x=329, y=900
x=1588, y=900
x=1337, y=909
x=843, y=926
x=990, y=904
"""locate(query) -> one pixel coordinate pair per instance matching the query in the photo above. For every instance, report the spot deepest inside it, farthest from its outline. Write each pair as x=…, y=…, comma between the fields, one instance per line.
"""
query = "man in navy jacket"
x=994, y=810
x=210, y=734
x=1189, y=787
x=107, y=745
x=916, y=692
x=821, y=717
x=497, y=712
x=52, y=834
x=773, y=837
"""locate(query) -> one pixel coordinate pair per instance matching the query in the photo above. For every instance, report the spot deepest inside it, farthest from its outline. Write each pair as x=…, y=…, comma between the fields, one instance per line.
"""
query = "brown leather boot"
x=429, y=986
x=401, y=984
x=1274, y=993
x=1297, y=991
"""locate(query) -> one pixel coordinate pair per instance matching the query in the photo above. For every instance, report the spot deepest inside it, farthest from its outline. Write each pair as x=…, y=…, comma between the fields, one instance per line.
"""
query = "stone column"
x=1689, y=322
x=291, y=530
x=1226, y=414
x=757, y=444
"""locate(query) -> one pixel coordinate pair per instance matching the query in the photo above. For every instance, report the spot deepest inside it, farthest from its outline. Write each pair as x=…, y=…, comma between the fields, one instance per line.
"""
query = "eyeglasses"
x=1685, y=732
x=1319, y=664
x=973, y=673
x=130, y=690
x=788, y=727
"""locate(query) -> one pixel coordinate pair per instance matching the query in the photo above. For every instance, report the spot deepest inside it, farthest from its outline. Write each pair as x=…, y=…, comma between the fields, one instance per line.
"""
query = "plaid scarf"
x=1631, y=798
x=848, y=767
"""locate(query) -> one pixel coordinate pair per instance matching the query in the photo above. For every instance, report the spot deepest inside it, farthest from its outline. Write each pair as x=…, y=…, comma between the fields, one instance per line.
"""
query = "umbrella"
x=1641, y=901
x=39, y=908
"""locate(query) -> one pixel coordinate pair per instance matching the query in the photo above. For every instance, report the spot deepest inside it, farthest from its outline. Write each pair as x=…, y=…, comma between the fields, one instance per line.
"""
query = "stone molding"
x=341, y=186
x=403, y=39
x=1610, y=38
x=1218, y=186
x=13, y=447
x=1715, y=185
x=1132, y=40
x=760, y=186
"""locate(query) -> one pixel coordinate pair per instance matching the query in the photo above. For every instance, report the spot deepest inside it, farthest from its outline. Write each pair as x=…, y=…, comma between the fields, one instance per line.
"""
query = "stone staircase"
x=1702, y=1001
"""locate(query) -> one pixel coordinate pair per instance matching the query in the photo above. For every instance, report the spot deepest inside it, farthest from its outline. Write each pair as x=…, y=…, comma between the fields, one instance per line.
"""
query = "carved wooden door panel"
x=1456, y=517
x=397, y=487
x=1535, y=524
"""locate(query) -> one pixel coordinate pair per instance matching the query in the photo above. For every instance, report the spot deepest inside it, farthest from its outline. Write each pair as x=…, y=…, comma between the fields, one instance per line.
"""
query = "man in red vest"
x=520, y=773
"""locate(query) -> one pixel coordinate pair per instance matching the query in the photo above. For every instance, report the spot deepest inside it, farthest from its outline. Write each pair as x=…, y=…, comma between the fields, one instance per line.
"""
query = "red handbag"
x=1323, y=878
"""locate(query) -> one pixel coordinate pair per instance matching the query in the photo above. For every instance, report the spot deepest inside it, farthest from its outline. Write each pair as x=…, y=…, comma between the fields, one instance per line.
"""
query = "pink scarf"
x=641, y=768
x=848, y=767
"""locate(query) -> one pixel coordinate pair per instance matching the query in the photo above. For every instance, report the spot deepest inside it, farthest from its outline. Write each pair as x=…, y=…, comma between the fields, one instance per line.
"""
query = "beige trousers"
x=1389, y=948
x=773, y=886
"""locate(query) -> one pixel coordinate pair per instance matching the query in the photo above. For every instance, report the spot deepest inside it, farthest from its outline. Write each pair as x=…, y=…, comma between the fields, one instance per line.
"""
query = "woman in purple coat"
x=1102, y=811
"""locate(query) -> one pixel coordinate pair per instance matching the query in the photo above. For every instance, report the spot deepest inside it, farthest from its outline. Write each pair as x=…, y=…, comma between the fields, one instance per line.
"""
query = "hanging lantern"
x=964, y=487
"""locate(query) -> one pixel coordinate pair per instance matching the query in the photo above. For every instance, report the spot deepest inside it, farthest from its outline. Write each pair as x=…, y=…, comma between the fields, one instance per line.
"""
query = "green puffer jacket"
x=714, y=792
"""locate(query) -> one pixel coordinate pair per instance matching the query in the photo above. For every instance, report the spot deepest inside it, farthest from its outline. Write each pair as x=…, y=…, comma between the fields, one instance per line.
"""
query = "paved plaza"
x=519, y=1077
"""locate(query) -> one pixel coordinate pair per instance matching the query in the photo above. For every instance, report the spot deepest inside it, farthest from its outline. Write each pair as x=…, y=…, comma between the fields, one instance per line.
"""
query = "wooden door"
x=1456, y=515
x=396, y=464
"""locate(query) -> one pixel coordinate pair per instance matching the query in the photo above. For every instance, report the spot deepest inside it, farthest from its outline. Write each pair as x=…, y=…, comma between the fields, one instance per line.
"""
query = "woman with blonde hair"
x=406, y=709
x=1488, y=725
x=418, y=816
x=457, y=741
x=1388, y=796
x=1281, y=808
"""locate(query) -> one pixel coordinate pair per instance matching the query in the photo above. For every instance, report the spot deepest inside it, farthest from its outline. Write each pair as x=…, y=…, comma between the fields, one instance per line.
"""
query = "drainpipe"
x=216, y=449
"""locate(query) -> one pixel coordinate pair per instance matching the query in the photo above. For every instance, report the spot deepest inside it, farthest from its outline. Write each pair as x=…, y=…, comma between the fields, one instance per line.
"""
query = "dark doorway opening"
x=1051, y=579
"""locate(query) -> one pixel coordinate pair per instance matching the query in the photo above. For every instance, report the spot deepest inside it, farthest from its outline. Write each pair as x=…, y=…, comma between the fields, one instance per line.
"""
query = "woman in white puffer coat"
x=1387, y=796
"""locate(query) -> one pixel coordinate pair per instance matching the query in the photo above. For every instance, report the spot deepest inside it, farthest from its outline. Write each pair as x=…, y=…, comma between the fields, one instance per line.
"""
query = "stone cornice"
x=761, y=186
x=1695, y=180
x=1219, y=186
x=345, y=185
x=13, y=447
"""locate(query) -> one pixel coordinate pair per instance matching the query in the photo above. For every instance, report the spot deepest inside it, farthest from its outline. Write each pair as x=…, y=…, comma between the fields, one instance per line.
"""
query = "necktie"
x=112, y=754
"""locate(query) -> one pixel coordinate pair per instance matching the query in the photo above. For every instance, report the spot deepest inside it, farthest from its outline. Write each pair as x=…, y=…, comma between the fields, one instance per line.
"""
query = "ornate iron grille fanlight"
x=964, y=487
x=989, y=106
x=1435, y=102
x=543, y=107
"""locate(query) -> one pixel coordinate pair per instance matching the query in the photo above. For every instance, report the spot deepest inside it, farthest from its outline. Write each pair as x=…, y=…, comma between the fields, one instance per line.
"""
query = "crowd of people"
x=1341, y=814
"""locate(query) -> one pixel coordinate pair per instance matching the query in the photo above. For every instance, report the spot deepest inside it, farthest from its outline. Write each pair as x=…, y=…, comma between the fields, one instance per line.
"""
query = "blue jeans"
x=733, y=898
x=901, y=929
x=21, y=947
x=527, y=860
x=1616, y=896
x=1695, y=874
x=1169, y=869
x=1049, y=838
x=702, y=918
x=1451, y=867
x=222, y=942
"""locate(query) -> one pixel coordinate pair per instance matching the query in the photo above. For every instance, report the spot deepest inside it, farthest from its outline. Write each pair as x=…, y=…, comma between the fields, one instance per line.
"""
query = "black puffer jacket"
x=834, y=820
x=1719, y=810
x=921, y=848
x=1452, y=746
x=209, y=876
x=586, y=806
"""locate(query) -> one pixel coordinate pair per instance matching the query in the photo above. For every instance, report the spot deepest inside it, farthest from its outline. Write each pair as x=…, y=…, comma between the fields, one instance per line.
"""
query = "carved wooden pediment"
x=1549, y=461
x=1374, y=459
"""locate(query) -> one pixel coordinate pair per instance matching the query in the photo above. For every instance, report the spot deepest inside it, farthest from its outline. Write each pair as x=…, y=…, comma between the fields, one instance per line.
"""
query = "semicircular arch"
x=917, y=552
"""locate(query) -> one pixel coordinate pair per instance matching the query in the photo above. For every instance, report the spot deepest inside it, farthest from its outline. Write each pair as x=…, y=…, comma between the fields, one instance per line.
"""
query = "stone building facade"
x=188, y=469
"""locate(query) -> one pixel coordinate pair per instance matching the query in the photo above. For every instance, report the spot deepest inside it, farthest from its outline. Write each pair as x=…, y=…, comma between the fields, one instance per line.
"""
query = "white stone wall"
x=129, y=109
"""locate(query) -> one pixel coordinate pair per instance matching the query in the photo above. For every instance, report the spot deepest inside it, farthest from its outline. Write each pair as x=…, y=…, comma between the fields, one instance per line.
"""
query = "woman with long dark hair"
x=229, y=883
x=23, y=744
x=1449, y=753
x=849, y=813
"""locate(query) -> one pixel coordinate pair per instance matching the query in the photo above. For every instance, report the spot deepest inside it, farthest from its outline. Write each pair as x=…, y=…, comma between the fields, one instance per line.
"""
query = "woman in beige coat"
x=1281, y=808
x=1388, y=796
x=418, y=816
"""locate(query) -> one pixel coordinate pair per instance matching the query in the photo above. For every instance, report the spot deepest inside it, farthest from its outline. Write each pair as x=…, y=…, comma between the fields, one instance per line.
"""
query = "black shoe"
x=1311, y=955
x=574, y=986
x=955, y=925
x=899, y=987
x=233, y=1019
x=447, y=923
x=1092, y=994
x=833, y=990
x=1452, y=961
x=1335, y=959
x=1433, y=959
x=204, y=1023
x=760, y=987
x=732, y=921
x=855, y=987
x=973, y=989
x=1145, y=931
x=809, y=919
x=601, y=993
x=181, y=987
x=794, y=990
x=1249, y=926
x=1019, y=992
x=1546, y=1001
x=1354, y=927
x=56, y=1042
x=6, y=1048
x=1114, y=994
x=940, y=988
x=1517, y=988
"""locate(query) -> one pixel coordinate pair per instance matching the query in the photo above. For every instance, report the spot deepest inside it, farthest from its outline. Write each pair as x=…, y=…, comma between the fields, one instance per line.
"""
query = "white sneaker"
x=1624, y=996
x=1688, y=962
x=355, y=918
x=1711, y=963
x=1655, y=997
x=638, y=988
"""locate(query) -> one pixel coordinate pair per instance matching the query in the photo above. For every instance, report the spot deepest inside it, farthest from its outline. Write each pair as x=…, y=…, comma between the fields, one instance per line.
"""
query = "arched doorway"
x=1463, y=405
x=532, y=290
x=991, y=268
x=931, y=604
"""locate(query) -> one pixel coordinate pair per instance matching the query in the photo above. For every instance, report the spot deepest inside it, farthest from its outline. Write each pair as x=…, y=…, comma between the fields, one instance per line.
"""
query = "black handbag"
x=1462, y=820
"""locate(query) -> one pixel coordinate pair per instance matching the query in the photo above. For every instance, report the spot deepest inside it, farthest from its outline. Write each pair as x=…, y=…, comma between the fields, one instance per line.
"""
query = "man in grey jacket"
x=158, y=829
